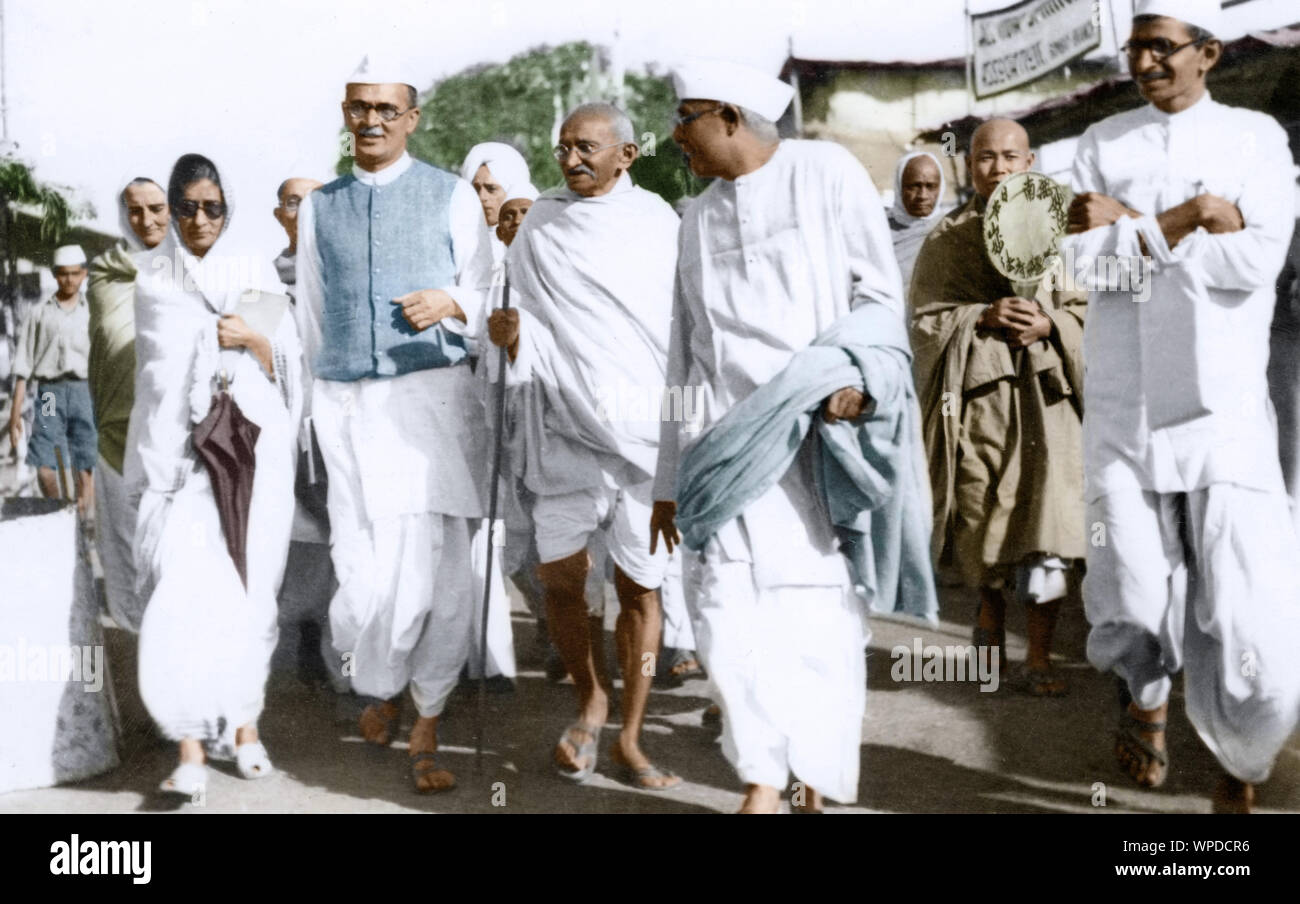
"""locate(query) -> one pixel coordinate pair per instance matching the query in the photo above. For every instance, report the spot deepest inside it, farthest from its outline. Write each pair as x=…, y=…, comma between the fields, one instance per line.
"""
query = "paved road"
x=928, y=747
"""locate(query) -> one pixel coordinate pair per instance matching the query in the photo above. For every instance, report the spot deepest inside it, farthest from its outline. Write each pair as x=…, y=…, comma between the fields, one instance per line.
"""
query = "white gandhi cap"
x=732, y=83
x=380, y=69
x=69, y=256
x=1207, y=14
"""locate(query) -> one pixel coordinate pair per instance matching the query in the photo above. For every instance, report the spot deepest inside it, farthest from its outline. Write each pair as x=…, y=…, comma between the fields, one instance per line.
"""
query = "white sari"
x=205, y=640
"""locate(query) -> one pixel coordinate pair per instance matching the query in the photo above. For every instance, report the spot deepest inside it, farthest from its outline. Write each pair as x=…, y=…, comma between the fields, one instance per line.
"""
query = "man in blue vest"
x=388, y=256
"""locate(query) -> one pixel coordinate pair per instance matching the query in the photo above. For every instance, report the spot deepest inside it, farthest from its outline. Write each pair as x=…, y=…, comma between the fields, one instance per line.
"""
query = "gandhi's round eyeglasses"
x=584, y=148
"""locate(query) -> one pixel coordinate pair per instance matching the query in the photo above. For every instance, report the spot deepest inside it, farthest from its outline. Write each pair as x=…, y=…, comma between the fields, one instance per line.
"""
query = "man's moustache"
x=581, y=169
x=372, y=132
x=1151, y=76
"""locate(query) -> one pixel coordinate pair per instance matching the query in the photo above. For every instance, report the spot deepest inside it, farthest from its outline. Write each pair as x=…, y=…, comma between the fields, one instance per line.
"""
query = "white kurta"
x=405, y=457
x=205, y=640
x=765, y=264
x=1178, y=415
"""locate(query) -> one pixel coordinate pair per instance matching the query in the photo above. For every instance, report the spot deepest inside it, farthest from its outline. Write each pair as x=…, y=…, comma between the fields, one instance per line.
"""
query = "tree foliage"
x=18, y=185
x=522, y=101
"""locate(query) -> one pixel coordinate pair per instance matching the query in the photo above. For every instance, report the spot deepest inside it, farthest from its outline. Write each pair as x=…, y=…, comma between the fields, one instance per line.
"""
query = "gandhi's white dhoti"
x=1207, y=582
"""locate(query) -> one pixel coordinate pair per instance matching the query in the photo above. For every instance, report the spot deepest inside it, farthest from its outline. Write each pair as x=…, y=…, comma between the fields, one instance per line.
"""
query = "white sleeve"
x=1251, y=258
x=309, y=285
x=679, y=349
x=1119, y=240
x=472, y=254
x=873, y=267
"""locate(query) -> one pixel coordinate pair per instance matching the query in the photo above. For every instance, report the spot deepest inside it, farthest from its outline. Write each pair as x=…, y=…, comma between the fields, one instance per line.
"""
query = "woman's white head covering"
x=133, y=243
x=898, y=213
x=506, y=165
x=235, y=263
x=521, y=191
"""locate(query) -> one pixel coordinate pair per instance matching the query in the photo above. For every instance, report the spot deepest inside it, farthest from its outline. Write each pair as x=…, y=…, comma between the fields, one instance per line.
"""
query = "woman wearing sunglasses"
x=209, y=625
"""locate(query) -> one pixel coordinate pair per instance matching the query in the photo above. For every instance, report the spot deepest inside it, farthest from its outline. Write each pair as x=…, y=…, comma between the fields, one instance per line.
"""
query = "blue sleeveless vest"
x=376, y=243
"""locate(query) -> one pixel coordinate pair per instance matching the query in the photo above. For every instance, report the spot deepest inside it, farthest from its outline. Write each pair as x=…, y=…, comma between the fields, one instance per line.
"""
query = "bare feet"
x=1140, y=745
x=576, y=750
x=425, y=774
x=1232, y=795
x=761, y=799
x=637, y=768
x=246, y=734
x=379, y=722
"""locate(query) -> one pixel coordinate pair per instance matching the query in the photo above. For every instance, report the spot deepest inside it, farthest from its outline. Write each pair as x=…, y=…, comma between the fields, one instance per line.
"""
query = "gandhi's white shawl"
x=593, y=278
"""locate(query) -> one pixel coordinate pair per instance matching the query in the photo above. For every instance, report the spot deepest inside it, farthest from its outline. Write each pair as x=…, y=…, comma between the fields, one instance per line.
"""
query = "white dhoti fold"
x=500, y=636
x=678, y=632
x=787, y=666
x=205, y=643
x=114, y=533
x=1207, y=582
x=403, y=506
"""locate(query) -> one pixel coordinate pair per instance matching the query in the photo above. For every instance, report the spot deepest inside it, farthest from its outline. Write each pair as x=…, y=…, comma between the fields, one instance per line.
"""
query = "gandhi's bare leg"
x=566, y=615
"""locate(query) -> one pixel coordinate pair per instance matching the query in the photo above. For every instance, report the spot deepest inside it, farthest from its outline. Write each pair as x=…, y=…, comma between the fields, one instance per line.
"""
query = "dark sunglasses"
x=187, y=210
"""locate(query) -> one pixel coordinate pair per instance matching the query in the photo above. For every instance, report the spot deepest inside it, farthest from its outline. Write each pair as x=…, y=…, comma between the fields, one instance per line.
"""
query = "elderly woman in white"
x=206, y=638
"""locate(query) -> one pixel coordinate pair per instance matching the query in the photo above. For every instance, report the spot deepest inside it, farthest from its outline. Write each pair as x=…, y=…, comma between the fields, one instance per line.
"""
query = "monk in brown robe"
x=1000, y=379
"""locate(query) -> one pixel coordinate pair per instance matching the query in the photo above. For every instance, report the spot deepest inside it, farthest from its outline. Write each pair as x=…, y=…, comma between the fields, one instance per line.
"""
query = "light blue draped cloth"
x=870, y=472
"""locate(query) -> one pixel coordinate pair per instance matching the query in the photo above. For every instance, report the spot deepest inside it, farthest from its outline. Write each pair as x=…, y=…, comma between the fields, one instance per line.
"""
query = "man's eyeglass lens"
x=358, y=109
x=680, y=120
x=214, y=210
x=1161, y=48
x=584, y=148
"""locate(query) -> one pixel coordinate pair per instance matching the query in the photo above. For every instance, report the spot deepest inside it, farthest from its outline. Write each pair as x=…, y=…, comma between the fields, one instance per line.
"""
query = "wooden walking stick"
x=492, y=517
x=64, y=492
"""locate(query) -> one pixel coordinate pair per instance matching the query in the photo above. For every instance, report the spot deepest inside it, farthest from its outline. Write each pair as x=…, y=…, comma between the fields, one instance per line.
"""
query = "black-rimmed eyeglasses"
x=1161, y=48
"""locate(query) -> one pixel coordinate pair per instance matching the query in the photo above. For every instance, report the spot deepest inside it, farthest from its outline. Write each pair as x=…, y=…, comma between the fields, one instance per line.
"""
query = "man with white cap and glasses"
x=1192, y=559
x=54, y=349
x=387, y=281
x=790, y=239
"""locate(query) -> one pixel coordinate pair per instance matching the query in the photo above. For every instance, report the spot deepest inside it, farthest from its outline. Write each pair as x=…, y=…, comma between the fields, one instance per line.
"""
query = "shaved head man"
x=1005, y=467
x=921, y=183
x=998, y=148
x=290, y=195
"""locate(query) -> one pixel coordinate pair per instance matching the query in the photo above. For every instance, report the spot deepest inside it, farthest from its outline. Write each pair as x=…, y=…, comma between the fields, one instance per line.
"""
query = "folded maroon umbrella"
x=225, y=441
